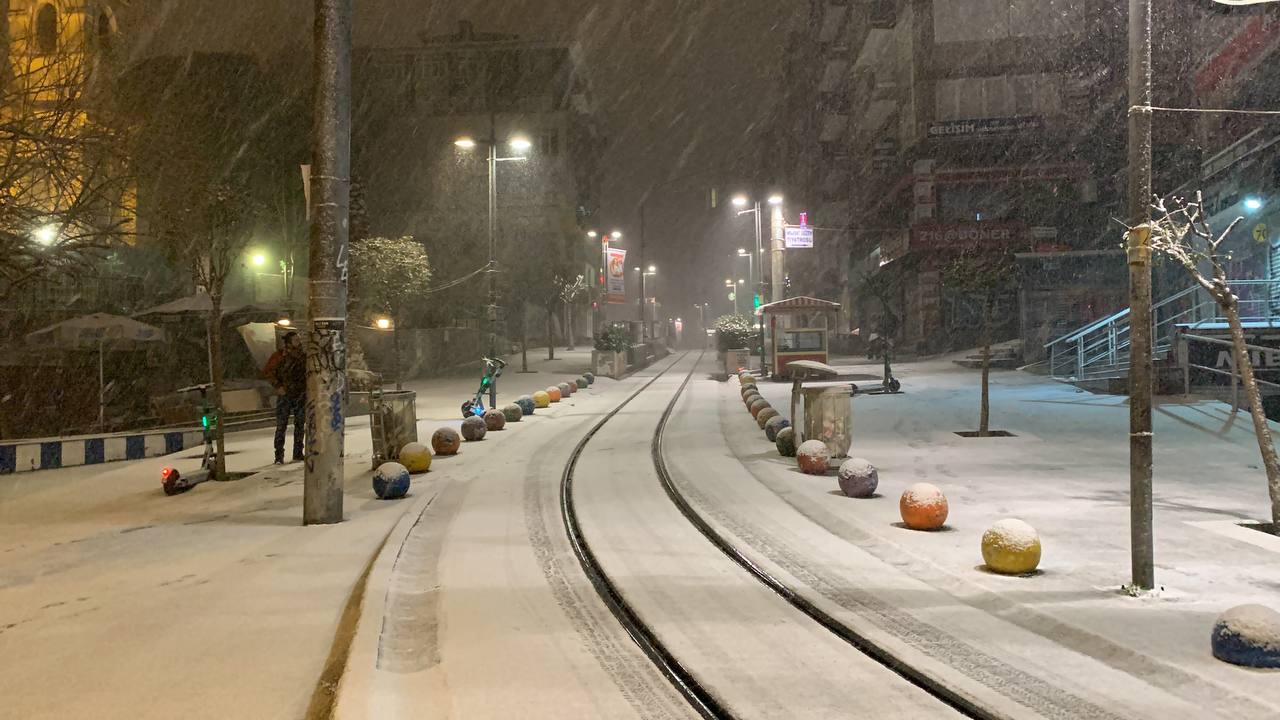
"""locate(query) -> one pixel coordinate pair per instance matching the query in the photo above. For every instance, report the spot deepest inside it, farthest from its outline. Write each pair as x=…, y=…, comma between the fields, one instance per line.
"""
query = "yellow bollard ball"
x=416, y=457
x=1011, y=547
x=541, y=399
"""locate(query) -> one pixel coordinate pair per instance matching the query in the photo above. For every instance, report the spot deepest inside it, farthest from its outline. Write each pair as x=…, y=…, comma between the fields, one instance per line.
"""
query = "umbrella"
x=102, y=330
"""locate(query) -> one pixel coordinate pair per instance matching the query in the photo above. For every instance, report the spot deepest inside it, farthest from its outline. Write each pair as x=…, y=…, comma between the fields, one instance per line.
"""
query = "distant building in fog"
x=412, y=103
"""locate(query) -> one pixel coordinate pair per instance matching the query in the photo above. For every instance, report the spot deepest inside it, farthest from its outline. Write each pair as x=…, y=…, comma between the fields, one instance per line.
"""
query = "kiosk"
x=796, y=329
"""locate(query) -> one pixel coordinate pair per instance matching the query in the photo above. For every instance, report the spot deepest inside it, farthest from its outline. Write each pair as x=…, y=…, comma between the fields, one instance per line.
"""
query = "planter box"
x=610, y=364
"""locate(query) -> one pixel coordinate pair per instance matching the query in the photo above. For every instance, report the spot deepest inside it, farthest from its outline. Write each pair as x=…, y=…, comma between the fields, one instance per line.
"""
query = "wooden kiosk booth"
x=797, y=328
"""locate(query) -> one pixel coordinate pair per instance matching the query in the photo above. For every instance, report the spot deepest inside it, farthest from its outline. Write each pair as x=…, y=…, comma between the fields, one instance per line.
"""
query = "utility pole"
x=642, y=270
x=327, y=283
x=777, y=270
x=491, y=270
x=1139, y=252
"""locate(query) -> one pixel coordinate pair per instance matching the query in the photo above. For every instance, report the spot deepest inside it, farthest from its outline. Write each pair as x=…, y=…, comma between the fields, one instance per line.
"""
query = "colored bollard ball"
x=582, y=383
x=513, y=412
x=750, y=398
x=765, y=416
x=923, y=507
x=553, y=394
x=416, y=457
x=526, y=403
x=566, y=389
x=857, y=478
x=446, y=441
x=758, y=405
x=748, y=390
x=591, y=378
x=391, y=481
x=786, y=442
x=1011, y=547
x=473, y=429
x=813, y=457
x=494, y=420
x=1248, y=635
x=542, y=399
x=774, y=426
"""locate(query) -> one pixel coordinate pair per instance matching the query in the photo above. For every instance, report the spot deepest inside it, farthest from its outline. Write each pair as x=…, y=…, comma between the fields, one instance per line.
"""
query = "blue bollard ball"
x=391, y=481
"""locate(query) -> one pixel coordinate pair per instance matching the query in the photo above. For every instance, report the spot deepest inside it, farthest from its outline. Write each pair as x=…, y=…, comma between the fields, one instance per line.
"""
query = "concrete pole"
x=1139, y=249
x=777, y=271
x=492, y=272
x=327, y=283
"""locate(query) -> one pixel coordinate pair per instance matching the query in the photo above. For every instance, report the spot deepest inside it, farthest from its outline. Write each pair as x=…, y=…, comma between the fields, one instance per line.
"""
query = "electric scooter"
x=492, y=371
x=174, y=482
x=889, y=385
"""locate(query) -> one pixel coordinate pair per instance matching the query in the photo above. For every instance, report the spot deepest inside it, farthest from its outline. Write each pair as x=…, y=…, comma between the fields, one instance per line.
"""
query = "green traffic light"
x=755, y=301
x=204, y=420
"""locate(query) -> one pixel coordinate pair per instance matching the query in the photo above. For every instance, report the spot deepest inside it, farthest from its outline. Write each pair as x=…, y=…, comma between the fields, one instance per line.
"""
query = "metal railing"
x=1100, y=350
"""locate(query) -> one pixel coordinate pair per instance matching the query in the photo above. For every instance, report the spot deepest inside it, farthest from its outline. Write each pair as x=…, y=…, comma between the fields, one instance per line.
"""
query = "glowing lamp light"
x=383, y=323
x=521, y=144
x=616, y=234
x=775, y=199
x=45, y=234
x=259, y=259
x=739, y=201
x=465, y=143
x=284, y=322
x=592, y=234
x=653, y=268
x=1253, y=203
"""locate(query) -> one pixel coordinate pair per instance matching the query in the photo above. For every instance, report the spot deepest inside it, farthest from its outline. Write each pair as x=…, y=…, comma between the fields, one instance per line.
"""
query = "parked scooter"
x=492, y=371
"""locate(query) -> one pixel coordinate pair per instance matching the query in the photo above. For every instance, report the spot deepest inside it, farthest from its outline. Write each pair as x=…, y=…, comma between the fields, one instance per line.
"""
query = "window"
x=47, y=29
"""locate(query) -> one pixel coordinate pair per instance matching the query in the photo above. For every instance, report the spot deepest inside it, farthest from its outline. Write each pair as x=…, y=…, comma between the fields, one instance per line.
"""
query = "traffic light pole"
x=327, y=283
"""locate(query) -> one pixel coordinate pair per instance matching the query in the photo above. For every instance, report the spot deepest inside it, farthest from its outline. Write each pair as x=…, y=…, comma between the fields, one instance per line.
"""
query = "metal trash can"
x=828, y=416
x=393, y=422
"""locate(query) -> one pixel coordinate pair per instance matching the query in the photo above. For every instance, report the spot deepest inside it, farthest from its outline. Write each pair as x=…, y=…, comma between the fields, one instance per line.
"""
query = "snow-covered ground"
x=1066, y=637
x=116, y=601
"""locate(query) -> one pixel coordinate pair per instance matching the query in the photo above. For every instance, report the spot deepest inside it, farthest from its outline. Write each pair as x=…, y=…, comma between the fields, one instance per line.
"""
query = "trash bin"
x=828, y=416
x=393, y=422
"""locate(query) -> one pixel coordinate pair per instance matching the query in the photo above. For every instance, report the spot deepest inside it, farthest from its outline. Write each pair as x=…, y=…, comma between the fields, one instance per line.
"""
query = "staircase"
x=1099, y=351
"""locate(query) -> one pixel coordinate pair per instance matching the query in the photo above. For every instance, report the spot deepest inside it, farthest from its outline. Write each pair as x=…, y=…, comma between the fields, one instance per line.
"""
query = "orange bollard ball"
x=923, y=507
x=553, y=394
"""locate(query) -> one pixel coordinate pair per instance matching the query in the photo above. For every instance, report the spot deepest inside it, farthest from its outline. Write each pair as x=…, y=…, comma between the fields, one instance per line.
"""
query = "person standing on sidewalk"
x=287, y=371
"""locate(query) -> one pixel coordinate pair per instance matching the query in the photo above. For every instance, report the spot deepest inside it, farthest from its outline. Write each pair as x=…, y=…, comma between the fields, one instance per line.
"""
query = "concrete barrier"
x=49, y=453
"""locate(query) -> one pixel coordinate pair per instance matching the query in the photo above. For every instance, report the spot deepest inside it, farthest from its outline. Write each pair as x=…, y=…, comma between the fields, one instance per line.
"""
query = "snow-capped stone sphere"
x=581, y=382
x=1011, y=547
x=566, y=389
x=591, y=378
x=391, y=481
x=554, y=394
x=416, y=457
x=526, y=404
x=923, y=507
x=749, y=390
x=774, y=425
x=473, y=429
x=758, y=405
x=765, y=415
x=513, y=412
x=813, y=457
x=446, y=441
x=1248, y=635
x=786, y=442
x=858, y=478
x=750, y=398
x=542, y=398
x=494, y=419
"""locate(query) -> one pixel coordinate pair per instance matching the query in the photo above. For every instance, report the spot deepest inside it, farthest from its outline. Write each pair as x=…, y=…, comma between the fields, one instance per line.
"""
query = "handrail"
x=1118, y=315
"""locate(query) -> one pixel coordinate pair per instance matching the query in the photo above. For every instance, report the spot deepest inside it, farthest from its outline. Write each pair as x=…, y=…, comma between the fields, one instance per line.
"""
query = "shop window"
x=47, y=29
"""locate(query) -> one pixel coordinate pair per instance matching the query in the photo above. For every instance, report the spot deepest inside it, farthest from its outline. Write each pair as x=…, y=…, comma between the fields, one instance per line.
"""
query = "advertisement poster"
x=616, y=275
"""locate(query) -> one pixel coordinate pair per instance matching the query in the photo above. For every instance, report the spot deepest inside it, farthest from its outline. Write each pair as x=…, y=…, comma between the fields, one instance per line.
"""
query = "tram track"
x=700, y=697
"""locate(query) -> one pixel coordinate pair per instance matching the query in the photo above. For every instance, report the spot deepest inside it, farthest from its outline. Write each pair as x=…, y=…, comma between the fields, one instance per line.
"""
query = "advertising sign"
x=929, y=236
x=616, y=276
x=796, y=236
x=1266, y=363
x=983, y=127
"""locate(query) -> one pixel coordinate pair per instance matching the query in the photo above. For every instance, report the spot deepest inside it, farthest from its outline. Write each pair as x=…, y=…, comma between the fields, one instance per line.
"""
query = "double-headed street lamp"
x=518, y=144
x=775, y=202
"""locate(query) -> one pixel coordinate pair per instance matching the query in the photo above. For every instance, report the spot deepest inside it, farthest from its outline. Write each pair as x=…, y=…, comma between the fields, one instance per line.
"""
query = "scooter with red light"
x=174, y=482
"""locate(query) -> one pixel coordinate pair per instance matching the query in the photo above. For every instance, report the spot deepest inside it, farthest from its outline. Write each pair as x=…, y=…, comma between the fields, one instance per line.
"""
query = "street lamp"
x=751, y=263
x=519, y=144
x=45, y=234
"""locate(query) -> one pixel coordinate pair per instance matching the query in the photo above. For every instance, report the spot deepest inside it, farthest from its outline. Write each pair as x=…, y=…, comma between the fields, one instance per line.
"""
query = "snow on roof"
x=800, y=303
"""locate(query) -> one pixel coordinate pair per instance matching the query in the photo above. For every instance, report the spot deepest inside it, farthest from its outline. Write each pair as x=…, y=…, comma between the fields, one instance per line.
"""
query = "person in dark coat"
x=287, y=371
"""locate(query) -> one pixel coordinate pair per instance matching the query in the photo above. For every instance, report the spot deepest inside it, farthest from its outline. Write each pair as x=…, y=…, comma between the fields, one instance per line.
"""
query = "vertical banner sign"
x=616, y=273
x=306, y=188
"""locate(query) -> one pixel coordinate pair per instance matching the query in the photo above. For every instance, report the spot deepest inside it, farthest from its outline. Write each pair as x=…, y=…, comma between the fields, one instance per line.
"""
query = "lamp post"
x=728, y=282
x=518, y=144
x=751, y=265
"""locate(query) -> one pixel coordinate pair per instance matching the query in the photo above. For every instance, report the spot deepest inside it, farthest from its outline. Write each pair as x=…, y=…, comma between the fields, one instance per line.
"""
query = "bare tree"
x=1181, y=231
x=570, y=292
x=983, y=274
x=61, y=166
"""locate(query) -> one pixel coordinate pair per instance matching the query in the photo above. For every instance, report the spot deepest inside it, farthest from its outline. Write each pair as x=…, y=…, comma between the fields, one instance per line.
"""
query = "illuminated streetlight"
x=383, y=323
x=653, y=268
x=775, y=199
x=46, y=234
x=616, y=234
x=284, y=322
x=520, y=144
x=593, y=234
x=1253, y=203
x=465, y=143
x=258, y=259
x=739, y=200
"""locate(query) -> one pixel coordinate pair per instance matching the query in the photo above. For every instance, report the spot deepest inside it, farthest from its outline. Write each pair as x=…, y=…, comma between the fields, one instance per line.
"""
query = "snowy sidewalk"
x=1066, y=473
x=116, y=601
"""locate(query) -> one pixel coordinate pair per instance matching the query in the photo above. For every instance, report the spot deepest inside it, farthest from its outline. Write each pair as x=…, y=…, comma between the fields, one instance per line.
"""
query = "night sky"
x=679, y=86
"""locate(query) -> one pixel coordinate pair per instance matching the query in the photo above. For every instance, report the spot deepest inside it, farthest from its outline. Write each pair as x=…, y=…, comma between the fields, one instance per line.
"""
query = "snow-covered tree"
x=388, y=277
x=1181, y=231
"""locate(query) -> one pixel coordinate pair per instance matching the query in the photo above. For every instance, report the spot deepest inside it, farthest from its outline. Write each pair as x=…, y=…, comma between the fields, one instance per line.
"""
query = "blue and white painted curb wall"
x=47, y=454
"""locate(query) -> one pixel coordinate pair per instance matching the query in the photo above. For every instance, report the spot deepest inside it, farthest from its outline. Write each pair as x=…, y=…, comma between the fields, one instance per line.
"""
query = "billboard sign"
x=616, y=276
x=984, y=127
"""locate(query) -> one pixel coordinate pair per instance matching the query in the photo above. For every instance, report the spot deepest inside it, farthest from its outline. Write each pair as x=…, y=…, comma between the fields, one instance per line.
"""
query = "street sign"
x=1260, y=233
x=796, y=236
